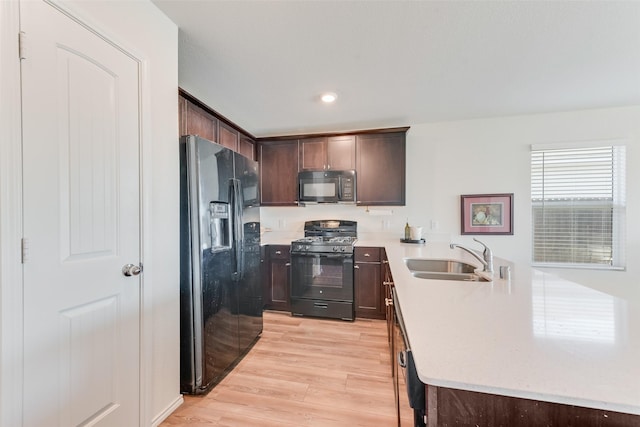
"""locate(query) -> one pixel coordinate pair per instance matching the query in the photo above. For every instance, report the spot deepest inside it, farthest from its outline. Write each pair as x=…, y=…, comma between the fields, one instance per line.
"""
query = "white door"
x=81, y=224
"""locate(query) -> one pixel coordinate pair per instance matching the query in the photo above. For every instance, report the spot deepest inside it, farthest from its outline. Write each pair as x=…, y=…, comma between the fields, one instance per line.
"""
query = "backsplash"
x=380, y=219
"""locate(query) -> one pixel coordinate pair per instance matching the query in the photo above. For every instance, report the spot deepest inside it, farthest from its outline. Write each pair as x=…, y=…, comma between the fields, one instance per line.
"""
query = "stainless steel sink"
x=438, y=265
x=443, y=269
x=467, y=277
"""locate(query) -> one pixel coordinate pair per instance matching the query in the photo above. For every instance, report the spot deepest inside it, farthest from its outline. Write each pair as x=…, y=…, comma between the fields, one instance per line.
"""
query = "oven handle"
x=321, y=255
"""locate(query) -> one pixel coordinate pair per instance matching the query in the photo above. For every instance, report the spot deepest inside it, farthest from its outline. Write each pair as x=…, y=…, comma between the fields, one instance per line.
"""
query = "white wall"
x=448, y=159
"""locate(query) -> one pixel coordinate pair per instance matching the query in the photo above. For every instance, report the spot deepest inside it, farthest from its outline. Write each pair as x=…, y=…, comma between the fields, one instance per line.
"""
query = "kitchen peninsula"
x=503, y=348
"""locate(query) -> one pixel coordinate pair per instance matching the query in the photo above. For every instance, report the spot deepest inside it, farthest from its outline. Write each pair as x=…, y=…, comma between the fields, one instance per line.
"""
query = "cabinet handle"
x=278, y=253
x=288, y=264
x=367, y=254
x=387, y=283
x=384, y=261
x=357, y=267
x=388, y=302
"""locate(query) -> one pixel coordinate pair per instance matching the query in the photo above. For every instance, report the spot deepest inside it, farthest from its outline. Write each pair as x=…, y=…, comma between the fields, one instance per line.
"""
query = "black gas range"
x=322, y=270
x=323, y=244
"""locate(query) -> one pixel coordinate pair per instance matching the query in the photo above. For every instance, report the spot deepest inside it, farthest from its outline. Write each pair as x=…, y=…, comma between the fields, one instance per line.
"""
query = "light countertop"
x=536, y=336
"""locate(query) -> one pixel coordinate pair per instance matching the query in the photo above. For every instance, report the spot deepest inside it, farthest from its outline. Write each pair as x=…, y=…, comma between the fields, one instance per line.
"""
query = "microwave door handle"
x=339, y=188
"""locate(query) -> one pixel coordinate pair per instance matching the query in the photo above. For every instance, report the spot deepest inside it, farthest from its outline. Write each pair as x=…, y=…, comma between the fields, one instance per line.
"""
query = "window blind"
x=578, y=206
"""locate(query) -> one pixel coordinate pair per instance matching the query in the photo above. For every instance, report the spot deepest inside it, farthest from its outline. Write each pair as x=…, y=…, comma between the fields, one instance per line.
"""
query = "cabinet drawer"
x=279, y=251
x=367, y=254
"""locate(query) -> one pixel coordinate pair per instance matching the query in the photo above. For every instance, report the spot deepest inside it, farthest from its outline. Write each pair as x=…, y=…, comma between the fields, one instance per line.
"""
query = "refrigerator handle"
x=238, y=231
x=240, y=202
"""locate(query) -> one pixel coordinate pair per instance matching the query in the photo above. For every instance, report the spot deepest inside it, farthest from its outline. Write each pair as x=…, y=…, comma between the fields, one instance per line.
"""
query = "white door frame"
x=11, y=276
x=10, y=219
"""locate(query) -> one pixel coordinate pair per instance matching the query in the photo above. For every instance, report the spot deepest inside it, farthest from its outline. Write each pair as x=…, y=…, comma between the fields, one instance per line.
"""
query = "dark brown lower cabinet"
x=451, y=407
x=277, y=288
x=387, y=286
x=367, y=277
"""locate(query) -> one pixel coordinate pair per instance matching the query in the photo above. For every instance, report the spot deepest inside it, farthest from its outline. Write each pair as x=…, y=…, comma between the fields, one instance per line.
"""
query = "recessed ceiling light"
x=329, y=97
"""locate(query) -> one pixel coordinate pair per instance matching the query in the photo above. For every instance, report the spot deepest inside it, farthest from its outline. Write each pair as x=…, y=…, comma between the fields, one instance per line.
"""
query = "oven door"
x=322, y=276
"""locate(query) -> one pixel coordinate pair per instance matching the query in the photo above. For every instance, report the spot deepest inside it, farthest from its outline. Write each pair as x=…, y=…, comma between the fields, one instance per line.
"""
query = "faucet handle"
x=486, y=248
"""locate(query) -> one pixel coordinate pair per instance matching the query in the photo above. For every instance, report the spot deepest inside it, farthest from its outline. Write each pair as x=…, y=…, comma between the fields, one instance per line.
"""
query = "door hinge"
x=22, y=45
x=24, y=249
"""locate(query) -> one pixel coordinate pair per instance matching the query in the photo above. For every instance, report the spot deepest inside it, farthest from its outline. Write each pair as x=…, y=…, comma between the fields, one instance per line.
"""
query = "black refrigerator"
x=220, y=291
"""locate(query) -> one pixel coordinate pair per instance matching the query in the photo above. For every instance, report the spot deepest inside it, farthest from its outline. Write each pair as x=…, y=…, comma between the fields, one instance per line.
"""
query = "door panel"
x=82, y=224
x=87, y=171
x=88, y=335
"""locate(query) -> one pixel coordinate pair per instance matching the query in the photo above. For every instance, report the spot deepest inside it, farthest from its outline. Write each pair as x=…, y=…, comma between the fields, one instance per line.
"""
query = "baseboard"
x=167, y=411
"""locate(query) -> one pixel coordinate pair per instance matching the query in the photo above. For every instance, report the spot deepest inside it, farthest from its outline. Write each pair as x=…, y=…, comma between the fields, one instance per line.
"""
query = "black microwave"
x=327, y=186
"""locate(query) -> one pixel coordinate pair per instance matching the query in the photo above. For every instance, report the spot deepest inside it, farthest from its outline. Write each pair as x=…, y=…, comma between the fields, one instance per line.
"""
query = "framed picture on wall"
x=487, y=213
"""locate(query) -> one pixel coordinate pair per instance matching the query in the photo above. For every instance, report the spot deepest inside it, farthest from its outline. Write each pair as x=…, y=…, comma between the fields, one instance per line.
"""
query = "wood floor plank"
x=302, y=372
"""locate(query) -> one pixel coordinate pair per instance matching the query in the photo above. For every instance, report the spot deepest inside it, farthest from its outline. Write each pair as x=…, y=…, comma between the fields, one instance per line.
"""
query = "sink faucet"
x=487, y=255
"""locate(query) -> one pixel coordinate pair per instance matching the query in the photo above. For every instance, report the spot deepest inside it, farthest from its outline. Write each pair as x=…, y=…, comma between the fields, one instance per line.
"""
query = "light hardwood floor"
x=302, y=372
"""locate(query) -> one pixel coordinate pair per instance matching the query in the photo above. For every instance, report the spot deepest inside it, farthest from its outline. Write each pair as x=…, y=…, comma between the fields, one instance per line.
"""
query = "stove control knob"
x=343, y=249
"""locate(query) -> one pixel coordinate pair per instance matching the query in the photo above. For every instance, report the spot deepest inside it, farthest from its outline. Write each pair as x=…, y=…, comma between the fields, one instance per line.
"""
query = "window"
x=578, y=206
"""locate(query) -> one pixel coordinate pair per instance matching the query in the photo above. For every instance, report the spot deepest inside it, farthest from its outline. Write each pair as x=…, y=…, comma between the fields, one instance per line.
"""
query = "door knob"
x=131, y=270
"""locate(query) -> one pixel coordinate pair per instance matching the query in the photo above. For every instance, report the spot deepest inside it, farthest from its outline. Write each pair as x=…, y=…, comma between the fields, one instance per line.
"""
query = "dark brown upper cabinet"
x=328, y=153
x=198, y=119
x=279, y=173
x=247, y=147
x=228, y=136
x=380, y=168
x=379, y=158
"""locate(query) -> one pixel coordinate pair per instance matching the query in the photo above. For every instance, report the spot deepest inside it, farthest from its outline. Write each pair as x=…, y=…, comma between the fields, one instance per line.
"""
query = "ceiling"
x=263, y=64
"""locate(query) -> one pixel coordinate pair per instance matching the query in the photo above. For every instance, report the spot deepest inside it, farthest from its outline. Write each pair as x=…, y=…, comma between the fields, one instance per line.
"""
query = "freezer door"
x=249, y=286
x=248, y=173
